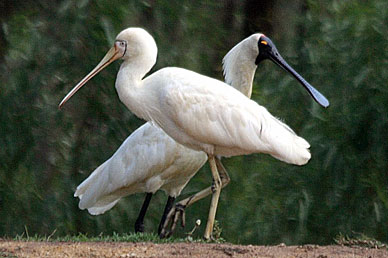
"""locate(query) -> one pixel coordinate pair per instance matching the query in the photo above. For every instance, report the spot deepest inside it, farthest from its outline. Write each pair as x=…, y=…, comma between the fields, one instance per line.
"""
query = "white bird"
x=200, y=112
x=239, y=66
x=148, y=160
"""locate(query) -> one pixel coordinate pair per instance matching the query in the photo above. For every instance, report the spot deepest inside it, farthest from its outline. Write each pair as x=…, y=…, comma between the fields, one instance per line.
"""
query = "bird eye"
x=264, y=42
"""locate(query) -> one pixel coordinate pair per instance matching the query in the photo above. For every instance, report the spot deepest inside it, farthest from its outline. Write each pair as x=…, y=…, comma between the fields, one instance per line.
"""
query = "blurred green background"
x=340, y=47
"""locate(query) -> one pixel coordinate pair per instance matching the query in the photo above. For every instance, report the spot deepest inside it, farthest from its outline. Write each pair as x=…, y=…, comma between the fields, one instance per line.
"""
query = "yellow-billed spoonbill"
x=148, y=160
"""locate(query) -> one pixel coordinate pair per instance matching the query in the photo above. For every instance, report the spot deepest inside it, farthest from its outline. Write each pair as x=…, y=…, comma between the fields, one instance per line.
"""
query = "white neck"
x=129, y=86
x=239, y=67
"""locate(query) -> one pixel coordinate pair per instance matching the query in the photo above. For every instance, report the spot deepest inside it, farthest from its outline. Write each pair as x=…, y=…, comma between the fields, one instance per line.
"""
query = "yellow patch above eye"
x=264, y=42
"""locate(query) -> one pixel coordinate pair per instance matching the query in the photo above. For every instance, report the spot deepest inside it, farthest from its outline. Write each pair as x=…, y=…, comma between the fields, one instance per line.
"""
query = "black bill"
x=267, y=50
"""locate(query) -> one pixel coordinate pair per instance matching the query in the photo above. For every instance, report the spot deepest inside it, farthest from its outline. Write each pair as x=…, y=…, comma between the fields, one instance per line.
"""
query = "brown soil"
x=124, y=249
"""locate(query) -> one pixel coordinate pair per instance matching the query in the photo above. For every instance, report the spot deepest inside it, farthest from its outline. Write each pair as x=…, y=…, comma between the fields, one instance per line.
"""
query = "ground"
x=192, y=250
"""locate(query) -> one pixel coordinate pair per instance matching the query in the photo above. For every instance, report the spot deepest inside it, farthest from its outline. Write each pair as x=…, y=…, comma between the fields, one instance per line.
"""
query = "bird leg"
x=177, y=212
x=139, y=224
x=216, y=189
x=179, y=209
x=167, y=208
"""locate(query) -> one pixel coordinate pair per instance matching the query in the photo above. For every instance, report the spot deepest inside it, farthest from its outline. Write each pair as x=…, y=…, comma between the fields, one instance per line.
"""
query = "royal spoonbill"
x=239, y=67
x=200, y=112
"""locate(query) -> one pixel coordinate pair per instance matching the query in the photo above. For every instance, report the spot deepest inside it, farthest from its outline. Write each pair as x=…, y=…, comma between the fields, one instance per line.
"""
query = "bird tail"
x=287, y=146
x=97, y=210
x=91, y=192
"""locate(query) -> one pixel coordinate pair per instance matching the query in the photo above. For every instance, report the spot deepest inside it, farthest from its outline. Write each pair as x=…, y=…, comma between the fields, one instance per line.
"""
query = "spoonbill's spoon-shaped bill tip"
x=267, y=50
x=113, y=54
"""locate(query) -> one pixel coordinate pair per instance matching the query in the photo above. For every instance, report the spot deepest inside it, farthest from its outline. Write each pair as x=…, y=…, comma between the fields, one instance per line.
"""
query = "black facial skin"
x=267, y=50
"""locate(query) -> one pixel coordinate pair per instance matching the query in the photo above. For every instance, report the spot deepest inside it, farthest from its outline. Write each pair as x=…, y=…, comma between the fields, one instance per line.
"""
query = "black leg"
x=139, y=224
x=169, y=204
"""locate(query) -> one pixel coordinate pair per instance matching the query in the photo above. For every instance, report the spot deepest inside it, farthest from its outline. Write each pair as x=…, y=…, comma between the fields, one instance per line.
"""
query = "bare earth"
x=125, y=249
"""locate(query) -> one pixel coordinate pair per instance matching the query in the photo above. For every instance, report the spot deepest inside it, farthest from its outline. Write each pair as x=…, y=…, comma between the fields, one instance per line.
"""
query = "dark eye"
x=122, y=44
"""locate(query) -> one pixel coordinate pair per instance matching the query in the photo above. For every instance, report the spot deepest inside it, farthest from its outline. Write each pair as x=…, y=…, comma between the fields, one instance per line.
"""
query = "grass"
x=125, y=237
x=359, y=240
x=131, y=237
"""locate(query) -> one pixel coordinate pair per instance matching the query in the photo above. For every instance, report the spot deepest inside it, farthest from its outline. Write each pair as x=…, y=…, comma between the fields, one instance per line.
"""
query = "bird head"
x=130, y=44
x=138, y=44
x=268, y=50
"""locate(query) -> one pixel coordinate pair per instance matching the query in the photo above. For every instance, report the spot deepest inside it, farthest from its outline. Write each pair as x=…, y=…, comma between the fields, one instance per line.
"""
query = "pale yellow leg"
x=217, y=185
x=179, y=209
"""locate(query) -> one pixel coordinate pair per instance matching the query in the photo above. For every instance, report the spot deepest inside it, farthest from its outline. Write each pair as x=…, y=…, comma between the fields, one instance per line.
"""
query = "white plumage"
x=204, y=114
x=148, y=160
x=197, y=111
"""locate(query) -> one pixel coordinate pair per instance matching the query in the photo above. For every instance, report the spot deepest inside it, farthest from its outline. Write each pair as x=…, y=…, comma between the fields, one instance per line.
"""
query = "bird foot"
x=139, y=227
x=176, y=213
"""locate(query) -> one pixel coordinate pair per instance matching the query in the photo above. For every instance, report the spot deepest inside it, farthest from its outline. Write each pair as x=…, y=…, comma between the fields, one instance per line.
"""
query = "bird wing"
x=211, y=112
x=146, y=153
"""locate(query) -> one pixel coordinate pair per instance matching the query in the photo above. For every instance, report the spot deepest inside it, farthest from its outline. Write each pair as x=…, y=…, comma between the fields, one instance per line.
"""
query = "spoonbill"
x=148, y=160
x=239, y=67
x=200, y=112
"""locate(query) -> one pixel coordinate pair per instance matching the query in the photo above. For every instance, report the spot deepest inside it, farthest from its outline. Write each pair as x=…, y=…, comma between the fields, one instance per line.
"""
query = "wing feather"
x=141, y=164
x=207, y=111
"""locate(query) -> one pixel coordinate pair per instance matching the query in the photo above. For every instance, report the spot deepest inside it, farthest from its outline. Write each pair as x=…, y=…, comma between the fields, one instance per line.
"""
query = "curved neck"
x=239, y=68
x=131, y=90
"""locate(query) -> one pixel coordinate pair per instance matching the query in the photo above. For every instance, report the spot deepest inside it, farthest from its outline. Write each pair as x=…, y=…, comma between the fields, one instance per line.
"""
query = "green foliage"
x=339, y=46
x=348, y=50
